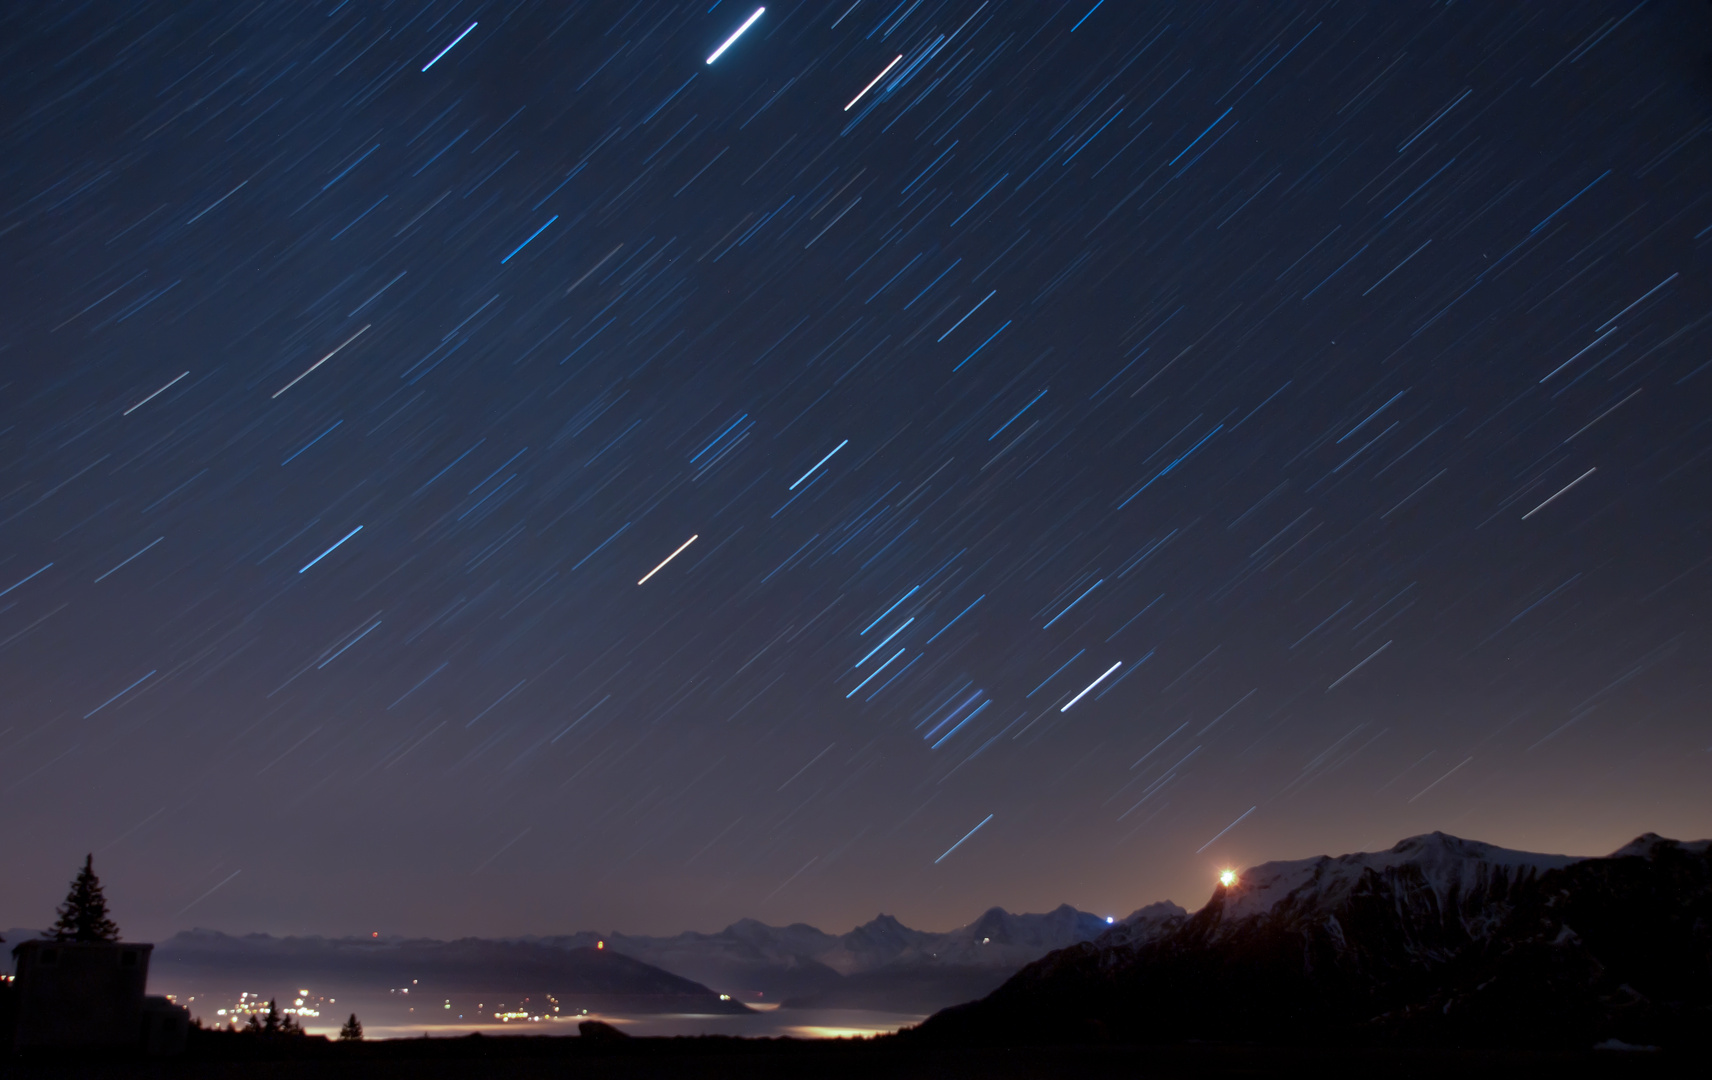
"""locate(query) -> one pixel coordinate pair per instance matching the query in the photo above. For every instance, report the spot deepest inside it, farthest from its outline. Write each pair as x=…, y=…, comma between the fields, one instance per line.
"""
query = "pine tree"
x=352, y=1031
x=83, y=916
x=253, y=1026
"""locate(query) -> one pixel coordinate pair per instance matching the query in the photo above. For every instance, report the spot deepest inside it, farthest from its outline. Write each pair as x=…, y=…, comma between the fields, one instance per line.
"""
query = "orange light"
x=600, y=944
x=1227, y=878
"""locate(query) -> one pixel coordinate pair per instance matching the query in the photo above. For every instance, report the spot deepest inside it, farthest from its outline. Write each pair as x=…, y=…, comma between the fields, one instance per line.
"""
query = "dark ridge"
x=1440, y=942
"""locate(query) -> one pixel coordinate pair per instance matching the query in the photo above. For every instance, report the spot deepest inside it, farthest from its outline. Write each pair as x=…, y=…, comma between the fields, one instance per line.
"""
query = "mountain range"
x=1437, y=941
x=881, y=965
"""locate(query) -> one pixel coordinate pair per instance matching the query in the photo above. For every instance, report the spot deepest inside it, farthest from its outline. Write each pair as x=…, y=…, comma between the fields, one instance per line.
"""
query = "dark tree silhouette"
x=83, y=916
x=352, y=1031
x=275, y=1023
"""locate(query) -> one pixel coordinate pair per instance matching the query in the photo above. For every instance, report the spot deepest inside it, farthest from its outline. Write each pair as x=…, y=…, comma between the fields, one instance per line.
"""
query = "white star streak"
x=449, y=48
x=668, y=559
x=1566, y=487
x=1090, y=686
x=168, y=386
x=870, y=86
x=959, y=843
x=319, y=362
x=747, y=23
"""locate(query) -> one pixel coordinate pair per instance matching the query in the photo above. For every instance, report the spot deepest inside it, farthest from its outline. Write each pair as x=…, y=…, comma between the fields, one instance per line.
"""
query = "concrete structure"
x=91, y=995
x=165, y=1027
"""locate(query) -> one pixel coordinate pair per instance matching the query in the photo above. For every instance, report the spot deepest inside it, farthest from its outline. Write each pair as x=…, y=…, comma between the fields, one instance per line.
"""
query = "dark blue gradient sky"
x=1331, y=381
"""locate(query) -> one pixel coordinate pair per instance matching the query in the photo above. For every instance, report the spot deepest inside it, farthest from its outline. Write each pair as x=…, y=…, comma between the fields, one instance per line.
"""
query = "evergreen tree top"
x=83, y=916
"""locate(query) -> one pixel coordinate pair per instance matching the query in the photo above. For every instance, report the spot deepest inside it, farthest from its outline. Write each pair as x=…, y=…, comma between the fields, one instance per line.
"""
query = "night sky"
x=1085, y=428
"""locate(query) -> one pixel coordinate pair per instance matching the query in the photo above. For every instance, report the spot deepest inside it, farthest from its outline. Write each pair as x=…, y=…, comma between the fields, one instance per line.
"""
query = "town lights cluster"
x=305, y=1004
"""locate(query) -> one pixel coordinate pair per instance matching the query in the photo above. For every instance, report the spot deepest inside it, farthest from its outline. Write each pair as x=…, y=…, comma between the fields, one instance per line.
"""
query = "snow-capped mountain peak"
x=1650, y=845
x=1448, y=866
x=1438, y=940
x=1144, y=924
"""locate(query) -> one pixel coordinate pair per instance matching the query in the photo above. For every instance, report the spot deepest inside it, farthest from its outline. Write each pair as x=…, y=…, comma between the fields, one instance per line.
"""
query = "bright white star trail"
x=728, y=42
x=666, y=560
x=448, y=48
x=875, y=79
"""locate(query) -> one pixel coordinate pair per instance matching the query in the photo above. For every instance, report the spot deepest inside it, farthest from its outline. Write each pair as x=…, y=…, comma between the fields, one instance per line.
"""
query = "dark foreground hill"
x=223, y=1056
x=1437, y=941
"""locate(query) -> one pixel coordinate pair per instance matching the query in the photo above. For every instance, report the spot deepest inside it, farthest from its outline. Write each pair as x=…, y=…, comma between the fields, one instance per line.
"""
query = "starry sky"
x=495, y=468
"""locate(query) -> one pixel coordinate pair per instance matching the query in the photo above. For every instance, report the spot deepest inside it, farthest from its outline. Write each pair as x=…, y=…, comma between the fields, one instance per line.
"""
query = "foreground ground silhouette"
x=224, y=1056
x=1252, y=984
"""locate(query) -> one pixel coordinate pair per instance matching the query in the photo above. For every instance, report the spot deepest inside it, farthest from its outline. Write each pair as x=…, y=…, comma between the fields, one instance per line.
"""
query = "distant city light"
x=307, y=1004
x=1110, y=920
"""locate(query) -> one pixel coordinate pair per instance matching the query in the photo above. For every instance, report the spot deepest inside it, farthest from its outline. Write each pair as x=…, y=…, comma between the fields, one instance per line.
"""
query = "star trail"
x=1114, y=425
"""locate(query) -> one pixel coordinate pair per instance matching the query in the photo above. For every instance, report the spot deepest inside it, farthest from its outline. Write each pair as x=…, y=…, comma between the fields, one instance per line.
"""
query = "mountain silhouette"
x=1437, y=941
x=881, y=965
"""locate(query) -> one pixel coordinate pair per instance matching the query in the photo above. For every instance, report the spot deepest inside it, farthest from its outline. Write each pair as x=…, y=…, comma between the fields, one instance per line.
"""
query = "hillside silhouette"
x=1438, y=941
